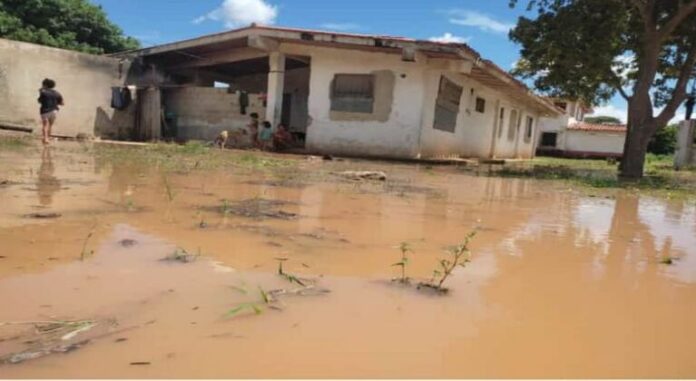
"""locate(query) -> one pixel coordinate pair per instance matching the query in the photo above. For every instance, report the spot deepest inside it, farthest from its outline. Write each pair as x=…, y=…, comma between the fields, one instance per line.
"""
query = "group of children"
x=262, y=137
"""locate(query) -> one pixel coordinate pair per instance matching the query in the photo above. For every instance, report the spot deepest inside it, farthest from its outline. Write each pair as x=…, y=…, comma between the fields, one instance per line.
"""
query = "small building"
x=348, y=94
x=568, y=135
x=339, y=94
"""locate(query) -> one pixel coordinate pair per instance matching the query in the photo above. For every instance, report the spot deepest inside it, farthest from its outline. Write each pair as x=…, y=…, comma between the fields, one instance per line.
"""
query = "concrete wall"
x=202, y=112
x=395, y=136
x=84, y=80
x=685, y=155
x=594, y=142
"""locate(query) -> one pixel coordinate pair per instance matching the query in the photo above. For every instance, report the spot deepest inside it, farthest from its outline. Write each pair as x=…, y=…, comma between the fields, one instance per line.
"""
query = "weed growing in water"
x=460, y=255
x=290, y=278
x=255, y=307
x=405, y=248
x=668, y=260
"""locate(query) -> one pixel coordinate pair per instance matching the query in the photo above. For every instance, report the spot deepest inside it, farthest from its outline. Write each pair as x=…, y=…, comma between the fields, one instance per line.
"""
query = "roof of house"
x=484, y=71
x=598, y=127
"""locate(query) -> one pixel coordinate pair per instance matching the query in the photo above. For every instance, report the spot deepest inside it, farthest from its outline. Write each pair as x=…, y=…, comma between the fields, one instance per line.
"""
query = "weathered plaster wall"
x=474, y=132
x=84, y=80
x=397, y=136
x=201, y=113
x=685, y=155
x=594, y=142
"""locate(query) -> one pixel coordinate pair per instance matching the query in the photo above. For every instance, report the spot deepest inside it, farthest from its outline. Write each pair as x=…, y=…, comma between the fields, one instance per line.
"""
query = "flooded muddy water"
x=560, y=284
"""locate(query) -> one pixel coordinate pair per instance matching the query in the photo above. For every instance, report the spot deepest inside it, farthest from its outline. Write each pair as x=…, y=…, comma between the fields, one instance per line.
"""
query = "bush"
x=664, y=142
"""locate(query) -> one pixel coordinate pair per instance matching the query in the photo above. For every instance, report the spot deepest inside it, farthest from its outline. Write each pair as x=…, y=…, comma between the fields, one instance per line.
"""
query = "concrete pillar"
x=685, y=155
x=274, y=94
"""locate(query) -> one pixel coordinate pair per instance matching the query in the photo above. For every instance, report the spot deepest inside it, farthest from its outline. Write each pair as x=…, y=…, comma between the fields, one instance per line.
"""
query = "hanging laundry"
x=120, y=98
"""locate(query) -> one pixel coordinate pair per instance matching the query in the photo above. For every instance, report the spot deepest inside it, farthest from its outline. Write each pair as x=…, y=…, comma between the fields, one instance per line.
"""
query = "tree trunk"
x=640, y=130
x=633, y=159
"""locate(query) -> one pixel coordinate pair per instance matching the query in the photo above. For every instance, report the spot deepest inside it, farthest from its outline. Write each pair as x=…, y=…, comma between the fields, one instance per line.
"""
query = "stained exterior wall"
x=396, y=136
x=474, y=131
x=685, y=155
x=84, y=80
x=594, y=142
x=202, y=112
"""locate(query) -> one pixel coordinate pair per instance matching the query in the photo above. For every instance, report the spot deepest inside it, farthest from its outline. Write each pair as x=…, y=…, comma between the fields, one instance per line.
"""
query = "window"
x=501, y=118
x=513, y=125
x=548, y=139
x=528, y=132
x=562, y=105
x=480, y=105
x=447, y=105
x=353, y=93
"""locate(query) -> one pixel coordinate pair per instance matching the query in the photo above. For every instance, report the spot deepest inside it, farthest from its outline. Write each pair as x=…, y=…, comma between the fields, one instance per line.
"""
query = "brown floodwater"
x=561, y=284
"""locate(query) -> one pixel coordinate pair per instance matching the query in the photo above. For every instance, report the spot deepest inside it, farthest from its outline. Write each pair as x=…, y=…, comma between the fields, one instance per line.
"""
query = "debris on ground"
x=363, y=175
x=43, y=338
x=43, y=215
x=127, y=242
x=181, y=255
x=258, y=208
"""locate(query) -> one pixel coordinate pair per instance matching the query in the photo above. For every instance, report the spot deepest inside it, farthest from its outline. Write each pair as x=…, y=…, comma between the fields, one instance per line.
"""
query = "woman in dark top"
x=50, y=101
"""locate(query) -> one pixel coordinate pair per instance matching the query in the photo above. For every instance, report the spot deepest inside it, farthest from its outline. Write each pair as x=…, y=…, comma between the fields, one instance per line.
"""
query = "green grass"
x=600, y=175
x=183, y=158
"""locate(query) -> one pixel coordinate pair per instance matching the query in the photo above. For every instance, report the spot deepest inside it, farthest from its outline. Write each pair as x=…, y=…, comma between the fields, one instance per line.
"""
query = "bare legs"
x=46, y=125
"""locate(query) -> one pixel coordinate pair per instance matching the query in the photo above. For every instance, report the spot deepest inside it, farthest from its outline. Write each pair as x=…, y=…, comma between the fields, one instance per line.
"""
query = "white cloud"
x=341, y=26
x=478, y=20
x=449, y=37
x=238, y=13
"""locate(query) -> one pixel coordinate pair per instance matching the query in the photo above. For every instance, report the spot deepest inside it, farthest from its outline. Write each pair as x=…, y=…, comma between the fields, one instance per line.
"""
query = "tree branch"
x=683, y=12
x=679, y=92
x=622, y=92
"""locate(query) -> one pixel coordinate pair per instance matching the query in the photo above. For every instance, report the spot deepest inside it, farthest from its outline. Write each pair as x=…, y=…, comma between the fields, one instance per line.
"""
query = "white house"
x=570, y=136
x=345, y=94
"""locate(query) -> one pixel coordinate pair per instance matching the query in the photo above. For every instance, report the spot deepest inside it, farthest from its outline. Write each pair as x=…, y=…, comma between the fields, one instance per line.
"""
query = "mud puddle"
x=560, y=284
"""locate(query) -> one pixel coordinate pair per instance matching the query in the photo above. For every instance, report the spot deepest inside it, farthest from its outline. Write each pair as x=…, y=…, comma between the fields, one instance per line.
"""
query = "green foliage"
x=68, y=24
x=459, y=256
x=664, y=142
x=601, y=119
x=569, y=50
x=405, y=248
x=592, y=49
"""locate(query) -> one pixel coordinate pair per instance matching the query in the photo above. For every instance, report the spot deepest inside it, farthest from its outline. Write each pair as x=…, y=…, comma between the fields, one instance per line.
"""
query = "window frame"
x=443, y=104
x=482, y=102
x=341, y=100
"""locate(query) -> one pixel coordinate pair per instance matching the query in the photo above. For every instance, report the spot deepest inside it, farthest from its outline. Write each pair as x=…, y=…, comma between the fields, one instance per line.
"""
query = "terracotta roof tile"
x=597, y=127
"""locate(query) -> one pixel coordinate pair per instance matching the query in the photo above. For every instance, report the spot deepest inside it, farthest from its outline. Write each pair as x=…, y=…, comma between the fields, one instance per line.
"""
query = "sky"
x=483, y=24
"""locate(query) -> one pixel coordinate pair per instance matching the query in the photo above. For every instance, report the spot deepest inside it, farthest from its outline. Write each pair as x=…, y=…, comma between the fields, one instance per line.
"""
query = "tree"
x=664, y=142
x=601, y=119
x=644, y=50
x=69, y=24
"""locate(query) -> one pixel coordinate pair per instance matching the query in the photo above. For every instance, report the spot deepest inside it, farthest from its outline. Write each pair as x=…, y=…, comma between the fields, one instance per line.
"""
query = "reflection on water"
x=558, y=280
x=47, y=183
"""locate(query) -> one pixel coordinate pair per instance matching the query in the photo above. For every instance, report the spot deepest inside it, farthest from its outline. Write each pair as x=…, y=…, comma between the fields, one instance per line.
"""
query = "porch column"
x=274, y=94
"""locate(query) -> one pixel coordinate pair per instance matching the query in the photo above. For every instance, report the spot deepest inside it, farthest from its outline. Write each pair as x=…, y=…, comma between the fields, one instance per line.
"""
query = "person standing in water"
x=50, y=100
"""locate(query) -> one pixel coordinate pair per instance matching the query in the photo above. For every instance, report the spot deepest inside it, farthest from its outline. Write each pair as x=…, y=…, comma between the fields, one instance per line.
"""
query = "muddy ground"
x=157, y=262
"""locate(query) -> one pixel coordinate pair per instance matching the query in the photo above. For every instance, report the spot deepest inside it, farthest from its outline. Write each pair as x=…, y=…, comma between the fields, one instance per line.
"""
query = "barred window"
x=353, y=93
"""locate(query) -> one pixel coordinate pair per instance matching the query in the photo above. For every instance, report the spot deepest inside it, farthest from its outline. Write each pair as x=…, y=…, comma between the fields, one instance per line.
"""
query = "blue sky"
x=481, y=23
